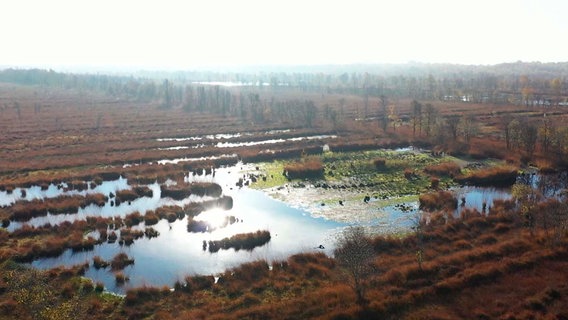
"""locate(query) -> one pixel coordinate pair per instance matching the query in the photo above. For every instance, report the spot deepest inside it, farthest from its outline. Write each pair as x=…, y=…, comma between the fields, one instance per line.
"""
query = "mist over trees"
x=250, y=94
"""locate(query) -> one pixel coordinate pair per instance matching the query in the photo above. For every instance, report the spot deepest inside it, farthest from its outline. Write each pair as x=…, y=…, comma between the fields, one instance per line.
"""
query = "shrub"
x=121, y=261
x=142, y=295
x=151, y=218
x=127, y=236
x=99, y=263
x=143, y=191
x=309, y=168
x=126, y=195
x=246, y=241
x=112, y=237
x=409, y=174
x=447, y=169
x=151, y=233
x=99, y=287
x=133, y=219
x=434, y=183
x=441, y=200
x=170, y=213
x=501, y=228
x=180, y=192
x=380, y=163
x=196, y=283
x=386, y=244
x=120, y=278
x=97, y=199
x=503, y=176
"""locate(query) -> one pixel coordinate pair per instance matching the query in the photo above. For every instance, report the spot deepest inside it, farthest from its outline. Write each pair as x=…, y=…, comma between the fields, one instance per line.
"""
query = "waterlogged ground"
x=392, y=196
x=176, y=252
x=300, y=215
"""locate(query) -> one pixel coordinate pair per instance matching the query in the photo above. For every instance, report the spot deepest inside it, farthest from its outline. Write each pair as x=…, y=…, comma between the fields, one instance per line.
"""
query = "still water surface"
x=177, y=253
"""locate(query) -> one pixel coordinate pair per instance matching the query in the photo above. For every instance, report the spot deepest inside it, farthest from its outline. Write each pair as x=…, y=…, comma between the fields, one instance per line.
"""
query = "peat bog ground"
x=116, y=207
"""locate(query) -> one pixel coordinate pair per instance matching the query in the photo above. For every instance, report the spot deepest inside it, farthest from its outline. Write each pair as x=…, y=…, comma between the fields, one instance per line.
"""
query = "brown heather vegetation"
x=244, y=241
x=25, y=210
x=449, y=169
x=179, y=192
x=121, y=261
x=470, y=270
x=438, y=201
x=486, y=266
x=494, y=176
x=307, y=168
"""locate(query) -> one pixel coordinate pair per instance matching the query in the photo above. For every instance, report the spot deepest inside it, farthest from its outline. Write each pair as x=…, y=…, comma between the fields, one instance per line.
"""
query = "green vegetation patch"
x=274, y=175
x=401, y=174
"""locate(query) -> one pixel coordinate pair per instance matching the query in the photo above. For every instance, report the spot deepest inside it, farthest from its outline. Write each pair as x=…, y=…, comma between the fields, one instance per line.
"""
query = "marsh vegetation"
x=237, y=202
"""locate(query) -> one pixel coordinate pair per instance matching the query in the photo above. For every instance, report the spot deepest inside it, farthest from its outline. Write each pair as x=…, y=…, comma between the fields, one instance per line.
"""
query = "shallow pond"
x=479, y=197
x=53, y=191
x=177, y=253
x=227, y=144
x=222, y=136
x=295, y=226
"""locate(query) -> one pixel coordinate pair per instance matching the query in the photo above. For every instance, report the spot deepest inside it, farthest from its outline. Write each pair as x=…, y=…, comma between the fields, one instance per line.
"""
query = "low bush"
x=151, y=218
x=142, y=295
x=99, y=263
x=126, y=195
x=170, y=213
x=133, y=219
x=121, y=261
x=380, y=163
x=121, y=278
x=127, y=236
x=444, y=169
x=97, y=199
x=440, y=200
x=307, y=169
x=180, y=192
x=143, y=191
x=195, y=283
x=502, y=176
x=245, y=241
x=151, y=233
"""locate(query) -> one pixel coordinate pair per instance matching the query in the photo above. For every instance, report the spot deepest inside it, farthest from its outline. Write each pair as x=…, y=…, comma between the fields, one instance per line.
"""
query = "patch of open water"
x=176, y=253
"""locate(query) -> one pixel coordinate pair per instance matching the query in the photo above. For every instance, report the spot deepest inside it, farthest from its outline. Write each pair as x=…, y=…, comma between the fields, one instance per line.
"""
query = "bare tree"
x=452, y=125
x=512, y=134
x=393, y=117
x=545, y=132
x=468, y=127
x=430, y=118
x=384, y=113
x=527, y=200
x=529, y=136
x=354, y=254
x=559, y=220
x=418, y=222
x=416, y=117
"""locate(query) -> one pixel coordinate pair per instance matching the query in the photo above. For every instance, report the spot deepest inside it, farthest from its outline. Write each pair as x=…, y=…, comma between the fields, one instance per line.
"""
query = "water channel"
x=177, y=253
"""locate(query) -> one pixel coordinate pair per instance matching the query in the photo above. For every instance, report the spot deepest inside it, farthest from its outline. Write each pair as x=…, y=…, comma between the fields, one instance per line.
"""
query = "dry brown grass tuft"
x=308, y=168
x=440, y=200
x=448, y=169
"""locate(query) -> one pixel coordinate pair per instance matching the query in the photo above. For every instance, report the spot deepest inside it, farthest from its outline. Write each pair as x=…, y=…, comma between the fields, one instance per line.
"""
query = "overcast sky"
x=168, y=34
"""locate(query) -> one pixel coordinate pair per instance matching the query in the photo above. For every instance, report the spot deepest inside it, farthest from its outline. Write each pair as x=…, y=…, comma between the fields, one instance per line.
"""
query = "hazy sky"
x=187, y=34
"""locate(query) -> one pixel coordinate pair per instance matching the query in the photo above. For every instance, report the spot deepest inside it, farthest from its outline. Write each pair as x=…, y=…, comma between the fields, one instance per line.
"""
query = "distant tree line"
x=530, y=84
